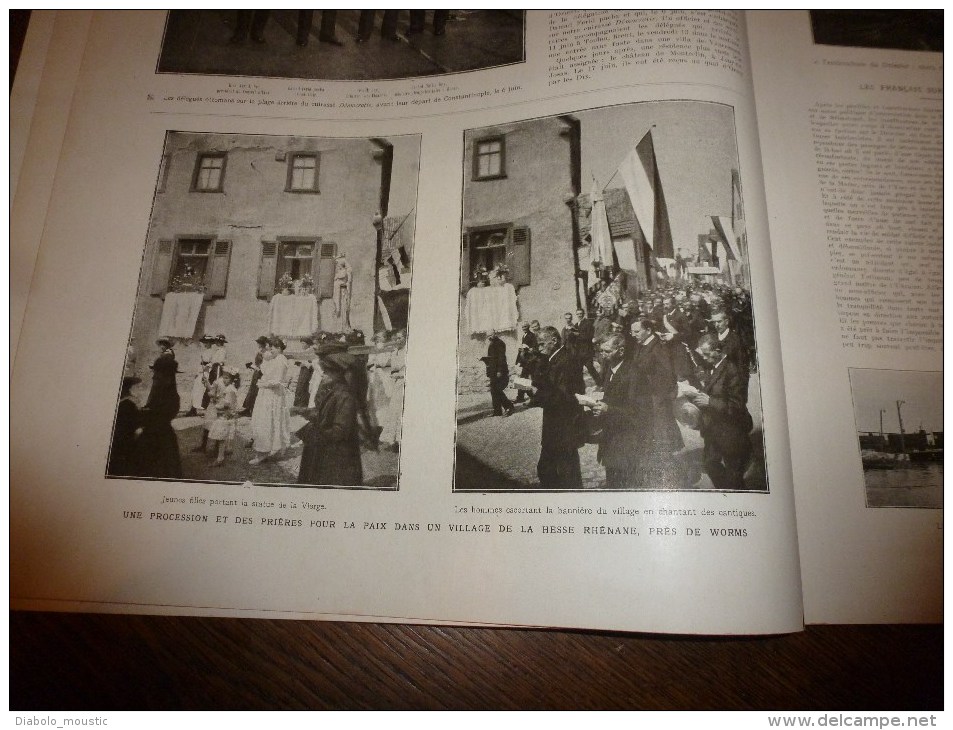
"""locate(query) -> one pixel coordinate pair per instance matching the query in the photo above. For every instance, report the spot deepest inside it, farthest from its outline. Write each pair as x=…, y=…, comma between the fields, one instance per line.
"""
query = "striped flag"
x=639, y=171
x=727, y=235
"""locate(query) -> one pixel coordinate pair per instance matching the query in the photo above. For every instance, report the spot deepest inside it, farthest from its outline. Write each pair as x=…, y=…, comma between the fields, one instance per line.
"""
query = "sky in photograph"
x=695, y=147
x=876, y=389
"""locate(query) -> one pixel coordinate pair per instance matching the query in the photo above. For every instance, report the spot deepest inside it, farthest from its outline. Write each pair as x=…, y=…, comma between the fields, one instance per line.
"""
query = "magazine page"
x=302, y=288
x=850, y=112
x=40, y=102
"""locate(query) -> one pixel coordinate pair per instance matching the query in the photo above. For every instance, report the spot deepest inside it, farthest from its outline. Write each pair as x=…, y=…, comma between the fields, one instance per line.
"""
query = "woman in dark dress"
x=123, y=449
x=157, y=448
x=332, y=452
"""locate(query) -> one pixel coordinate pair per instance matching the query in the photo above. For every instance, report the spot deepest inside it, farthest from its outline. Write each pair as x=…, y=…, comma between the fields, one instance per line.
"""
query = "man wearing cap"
x=332, y=452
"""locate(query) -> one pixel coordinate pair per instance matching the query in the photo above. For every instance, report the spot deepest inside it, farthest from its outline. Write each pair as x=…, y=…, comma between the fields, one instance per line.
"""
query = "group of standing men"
x=671, y=354
x=252, y=23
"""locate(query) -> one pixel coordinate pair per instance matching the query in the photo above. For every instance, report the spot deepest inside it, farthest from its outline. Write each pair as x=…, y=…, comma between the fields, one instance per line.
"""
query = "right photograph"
x=606, y=335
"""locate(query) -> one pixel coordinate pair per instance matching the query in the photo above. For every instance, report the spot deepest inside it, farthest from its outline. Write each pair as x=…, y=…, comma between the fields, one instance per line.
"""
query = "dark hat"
x=339, y=361
x=164, y=341
x=261, y=340
x=308, y=341
x=277, y=342
x=354, y=337
x=330, y=347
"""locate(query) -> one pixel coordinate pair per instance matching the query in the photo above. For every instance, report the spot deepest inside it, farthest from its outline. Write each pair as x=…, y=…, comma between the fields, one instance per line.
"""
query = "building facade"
x=520, y=184
x=235, y=216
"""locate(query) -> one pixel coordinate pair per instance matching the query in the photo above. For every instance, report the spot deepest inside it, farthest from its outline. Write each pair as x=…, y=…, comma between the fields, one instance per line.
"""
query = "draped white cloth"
x=180, y=312
x=293, y=315
x=490, y=308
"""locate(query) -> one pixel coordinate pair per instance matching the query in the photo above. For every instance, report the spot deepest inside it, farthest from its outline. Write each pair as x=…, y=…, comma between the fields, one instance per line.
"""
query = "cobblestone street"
x=500, y=454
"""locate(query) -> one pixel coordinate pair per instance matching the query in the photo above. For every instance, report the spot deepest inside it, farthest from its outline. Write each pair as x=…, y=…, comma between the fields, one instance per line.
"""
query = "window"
x=295, y=258
x=489, y=158
x=484, y=249
x=209, y=173
x=303, y=170
x=191, y=263
x=191, y=260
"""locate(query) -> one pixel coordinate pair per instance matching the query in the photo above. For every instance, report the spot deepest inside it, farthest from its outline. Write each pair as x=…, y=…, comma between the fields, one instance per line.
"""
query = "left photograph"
x=269, y=334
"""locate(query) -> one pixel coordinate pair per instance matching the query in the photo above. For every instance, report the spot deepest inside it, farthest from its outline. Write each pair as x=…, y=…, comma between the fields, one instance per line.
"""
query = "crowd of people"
x=680, y=352
x=252, y=23
x=349, y=393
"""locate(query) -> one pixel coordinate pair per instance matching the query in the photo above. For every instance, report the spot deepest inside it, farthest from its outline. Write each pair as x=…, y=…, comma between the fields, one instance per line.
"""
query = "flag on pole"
x=726, y=232
x=639, y=172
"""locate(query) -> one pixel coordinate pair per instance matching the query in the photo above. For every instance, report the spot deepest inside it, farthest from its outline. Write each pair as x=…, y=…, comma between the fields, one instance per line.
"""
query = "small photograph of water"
x=899, y=417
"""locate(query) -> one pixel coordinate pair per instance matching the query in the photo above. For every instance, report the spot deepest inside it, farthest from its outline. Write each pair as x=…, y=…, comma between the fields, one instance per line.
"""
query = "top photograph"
x=343, y=45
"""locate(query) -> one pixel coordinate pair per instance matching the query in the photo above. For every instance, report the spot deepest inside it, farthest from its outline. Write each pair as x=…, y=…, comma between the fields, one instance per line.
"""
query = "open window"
x=192, y=263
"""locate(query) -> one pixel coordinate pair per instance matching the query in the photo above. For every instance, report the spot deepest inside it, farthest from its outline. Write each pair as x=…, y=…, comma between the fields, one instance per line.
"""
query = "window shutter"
x=324, y=281
x=162, y=268
x=518, y=256
x=217, y=277
x=465, y=264
x=267, y=269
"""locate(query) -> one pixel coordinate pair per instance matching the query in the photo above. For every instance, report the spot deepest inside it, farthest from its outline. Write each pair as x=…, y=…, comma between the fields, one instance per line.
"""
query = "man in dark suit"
x=556, y=383
x=498, y=372
x=725, y=420
x=365, y=25
x=585, y=348
x=526, y=357
x=570, y=335
x=328, y=32
x=618, y=416
x=731, y=345
x=418, y=21
x=652, y=398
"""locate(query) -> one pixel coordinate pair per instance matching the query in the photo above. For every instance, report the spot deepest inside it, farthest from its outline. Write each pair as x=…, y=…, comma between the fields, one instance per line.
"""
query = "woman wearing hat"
x=332, y=452
x=157, y=448
x=271, y=419
x=123, y=449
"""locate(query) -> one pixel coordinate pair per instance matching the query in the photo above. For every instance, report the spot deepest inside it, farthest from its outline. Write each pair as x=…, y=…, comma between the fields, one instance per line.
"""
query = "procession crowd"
x=348, y=395
x=678, y=353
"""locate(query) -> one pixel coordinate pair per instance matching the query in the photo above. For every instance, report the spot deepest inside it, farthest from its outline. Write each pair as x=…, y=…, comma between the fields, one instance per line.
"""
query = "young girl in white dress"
x=223, y=407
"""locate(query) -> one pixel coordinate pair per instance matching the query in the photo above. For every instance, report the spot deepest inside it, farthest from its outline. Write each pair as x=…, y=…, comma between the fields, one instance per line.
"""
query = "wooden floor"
x=101, y=662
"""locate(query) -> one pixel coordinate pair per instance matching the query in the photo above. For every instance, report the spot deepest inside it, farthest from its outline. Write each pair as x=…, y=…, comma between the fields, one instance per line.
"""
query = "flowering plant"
x=188, y=281
x=284, y=282
x=307, y=284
